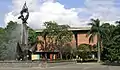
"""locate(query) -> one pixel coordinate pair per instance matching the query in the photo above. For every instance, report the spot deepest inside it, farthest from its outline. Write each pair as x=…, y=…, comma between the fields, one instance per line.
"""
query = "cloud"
x=49, y=10
x=103, y=9
x=44, y=10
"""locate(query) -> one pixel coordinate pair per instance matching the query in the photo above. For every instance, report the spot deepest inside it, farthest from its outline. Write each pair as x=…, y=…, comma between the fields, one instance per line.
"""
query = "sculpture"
x=22, y=17
x=24, y=22
x=22, y=49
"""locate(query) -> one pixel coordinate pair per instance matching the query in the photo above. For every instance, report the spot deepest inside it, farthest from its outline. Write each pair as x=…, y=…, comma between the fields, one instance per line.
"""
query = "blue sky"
x=72, y=3
x=4, y=8
x=85, y=6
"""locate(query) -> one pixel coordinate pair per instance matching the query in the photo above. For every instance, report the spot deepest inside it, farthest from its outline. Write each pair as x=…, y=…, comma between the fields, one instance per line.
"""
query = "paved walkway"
x=79, y=66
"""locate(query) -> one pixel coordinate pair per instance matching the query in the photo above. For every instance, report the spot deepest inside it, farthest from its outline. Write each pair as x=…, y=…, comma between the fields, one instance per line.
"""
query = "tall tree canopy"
x=111, y=45
x=108, y=36
x=59, y=35
x=9, y=36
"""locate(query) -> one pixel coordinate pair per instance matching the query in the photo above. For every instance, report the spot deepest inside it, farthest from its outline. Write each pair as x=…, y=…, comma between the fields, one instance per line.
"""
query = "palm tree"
x=96, y=30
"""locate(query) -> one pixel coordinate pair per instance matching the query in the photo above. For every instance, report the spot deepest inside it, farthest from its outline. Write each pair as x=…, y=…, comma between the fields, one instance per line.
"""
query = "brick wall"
x=82, y=39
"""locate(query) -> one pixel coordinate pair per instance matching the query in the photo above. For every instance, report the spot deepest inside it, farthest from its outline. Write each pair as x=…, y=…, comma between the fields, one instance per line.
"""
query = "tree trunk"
x=98, y=45
x=45, y=45
x=66, y=57
x=60, y=55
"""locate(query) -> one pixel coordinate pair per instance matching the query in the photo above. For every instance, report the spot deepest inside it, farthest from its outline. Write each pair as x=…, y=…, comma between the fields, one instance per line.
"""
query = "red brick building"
x=79, y=36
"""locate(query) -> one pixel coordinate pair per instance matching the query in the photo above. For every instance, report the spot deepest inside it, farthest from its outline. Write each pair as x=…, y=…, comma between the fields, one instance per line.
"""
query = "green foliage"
x=32, y=38
x=84, y=50
x=51, y=29
x=67, y=51
x=2, y=39
x=64, y=35
x=2, y=35
x=8, y=38
x=96, y=30
x=108, y=37
x=58, y=34
x=111, y=45
x=11, y=26
x=85, y=47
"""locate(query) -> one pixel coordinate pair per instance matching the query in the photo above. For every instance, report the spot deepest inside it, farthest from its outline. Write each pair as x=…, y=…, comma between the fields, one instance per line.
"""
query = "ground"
x=78, y=66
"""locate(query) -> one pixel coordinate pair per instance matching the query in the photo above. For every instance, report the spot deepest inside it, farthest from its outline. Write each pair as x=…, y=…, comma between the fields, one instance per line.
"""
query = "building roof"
x=79, y=28
x=39, y=30
x=72, y=29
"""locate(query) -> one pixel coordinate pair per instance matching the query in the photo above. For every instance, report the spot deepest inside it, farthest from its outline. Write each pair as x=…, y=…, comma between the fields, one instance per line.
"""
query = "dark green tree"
x=2, y=35
x=32, y=36
x=84, y=50
x=110, y=41
x=2, y=40
x=10, y=37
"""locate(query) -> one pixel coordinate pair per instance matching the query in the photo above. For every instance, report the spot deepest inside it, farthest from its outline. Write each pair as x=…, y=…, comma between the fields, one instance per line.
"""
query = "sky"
x=75, y=13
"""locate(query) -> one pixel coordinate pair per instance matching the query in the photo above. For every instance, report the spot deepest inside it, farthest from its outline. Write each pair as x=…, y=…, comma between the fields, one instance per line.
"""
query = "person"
x=93, y=56
x=44, y=63
x=81, y=60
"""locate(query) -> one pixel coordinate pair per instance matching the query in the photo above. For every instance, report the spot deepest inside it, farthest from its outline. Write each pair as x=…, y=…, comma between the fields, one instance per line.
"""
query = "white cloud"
x=49, y=10
x=103, y=9
x=44, y=10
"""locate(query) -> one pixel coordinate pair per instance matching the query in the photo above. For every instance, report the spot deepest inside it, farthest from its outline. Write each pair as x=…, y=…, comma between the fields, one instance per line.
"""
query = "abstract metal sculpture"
x=22, y=17
x=24, y=22
x=24, y=37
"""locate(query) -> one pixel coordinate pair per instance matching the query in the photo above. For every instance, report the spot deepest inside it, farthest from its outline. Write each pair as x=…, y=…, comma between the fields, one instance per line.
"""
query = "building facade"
x=80, y=36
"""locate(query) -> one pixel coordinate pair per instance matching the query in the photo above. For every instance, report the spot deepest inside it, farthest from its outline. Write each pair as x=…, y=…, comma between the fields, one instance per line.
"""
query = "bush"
x=84, y=50
x=67, y=51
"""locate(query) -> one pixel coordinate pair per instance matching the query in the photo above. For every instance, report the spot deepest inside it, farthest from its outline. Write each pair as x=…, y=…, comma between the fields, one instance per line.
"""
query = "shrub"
x=84, y=50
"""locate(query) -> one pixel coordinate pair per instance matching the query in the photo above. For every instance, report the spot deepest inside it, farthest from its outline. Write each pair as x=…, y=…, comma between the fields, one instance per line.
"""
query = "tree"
x=50, y=33
x=111, y=41
x=32, y=36
x=2, y=35
x=13, y=31
x=2, y=40
x=109, y=33
x=84, y=50
x=64, y=36
x=57, y=35
x=67, y=52
x=96, y=30
x=9, y=36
